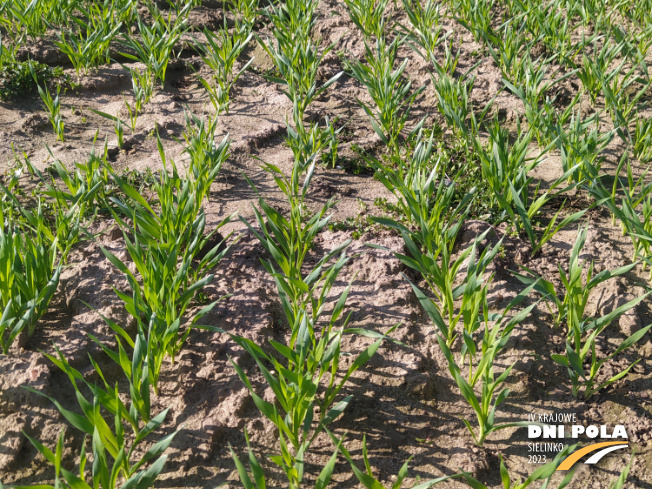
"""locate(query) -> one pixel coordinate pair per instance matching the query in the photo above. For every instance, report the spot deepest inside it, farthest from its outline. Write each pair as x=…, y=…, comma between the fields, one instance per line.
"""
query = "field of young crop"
x=322, y=243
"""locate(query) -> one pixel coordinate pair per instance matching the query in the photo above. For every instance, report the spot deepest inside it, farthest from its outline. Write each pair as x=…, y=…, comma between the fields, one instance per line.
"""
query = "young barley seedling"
x=87, y=44
x=220, y=52
x=493, y=341
x=367, y=478
x=156, y=43
x=29, y=276
x=642, y=147
x=475, y=16
x=52, y=106
x=454, y=103
x=582, y=332
x=544, y=473
x=368, y=16
x=143, y=86
x=115, y=456
x=426, y=33
x=391, y=92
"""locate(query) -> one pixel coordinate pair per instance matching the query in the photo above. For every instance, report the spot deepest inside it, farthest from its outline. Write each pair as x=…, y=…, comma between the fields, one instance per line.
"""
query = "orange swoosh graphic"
x=575, y=456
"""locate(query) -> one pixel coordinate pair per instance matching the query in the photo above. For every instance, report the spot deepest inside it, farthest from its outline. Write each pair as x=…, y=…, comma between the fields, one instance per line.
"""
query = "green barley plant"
x=441, y=279
x=506, y=165
x=143, y=86
x=118, y=125
x=298, y=377
x=635, y=224
x=29, y=276
x=288, y=240
x=368, y=16
x=298, y=67
x=619, y=483
x=57, y=223
x=104, y=474
x=523, y=212
x=140, y=370
x=179, y=201
x=257, y=478
x=424, y=194
x=299, y=369
x=156, y=42
x=581, y=349
x=206, y=156
x=532, y=91
x=493, y=341
x=171, y=252
x=425, y=33
x=86, y=188
x=556, y=35
x=367, y=478
x=430, y=252
x=582, y=332
x=87, y=44
x=426, y=199
x=293, y=22
x=247, y=10
x=170, y=277
x=390, y=90
x=580, y=144
x=331, y=135
x=52, y=106
x=622, y=104
x=115, y=456
x=35, y=18
x=599, y=67
x=510, y=51
x=576, y=289
x=119, y=133
x=544, y=473
x=642, y=139
x=475, y=16
x=138, y=412
x=454, y=102
x=220, y=52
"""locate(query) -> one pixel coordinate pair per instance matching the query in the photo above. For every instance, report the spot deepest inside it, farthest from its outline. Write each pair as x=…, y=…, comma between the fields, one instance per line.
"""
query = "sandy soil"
x=404, y=399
